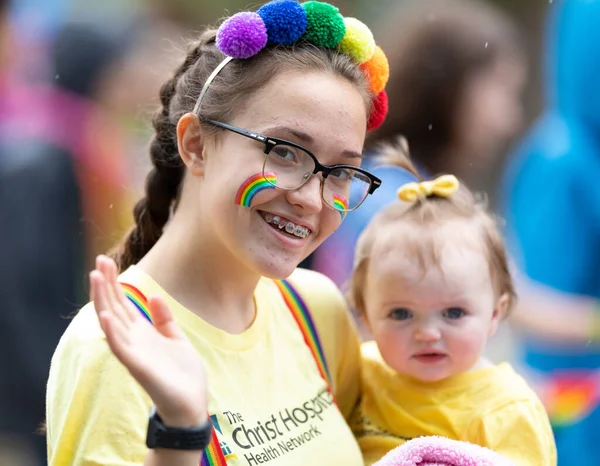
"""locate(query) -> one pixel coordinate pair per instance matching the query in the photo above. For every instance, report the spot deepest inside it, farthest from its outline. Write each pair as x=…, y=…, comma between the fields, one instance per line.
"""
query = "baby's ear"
x=500, y=311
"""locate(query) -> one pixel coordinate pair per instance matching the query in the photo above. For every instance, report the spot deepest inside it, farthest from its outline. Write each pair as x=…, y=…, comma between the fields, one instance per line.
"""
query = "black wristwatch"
x=177, y=438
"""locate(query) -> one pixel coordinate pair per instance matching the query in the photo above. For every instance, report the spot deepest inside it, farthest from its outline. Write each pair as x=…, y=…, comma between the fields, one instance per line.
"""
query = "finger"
x=162, y=318
x=102, y=309
x=117, y=329
x=107, y=267
x=98, y=287
x=118, y=292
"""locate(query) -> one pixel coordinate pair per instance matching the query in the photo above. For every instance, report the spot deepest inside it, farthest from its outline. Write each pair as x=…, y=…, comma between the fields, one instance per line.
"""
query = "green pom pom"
x=325, y=25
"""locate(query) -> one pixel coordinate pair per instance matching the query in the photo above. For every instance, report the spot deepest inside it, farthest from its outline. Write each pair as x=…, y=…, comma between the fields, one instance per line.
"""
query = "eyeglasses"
x=289, y=166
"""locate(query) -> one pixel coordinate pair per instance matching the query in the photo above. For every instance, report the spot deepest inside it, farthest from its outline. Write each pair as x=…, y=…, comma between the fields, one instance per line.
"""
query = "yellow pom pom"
x=358, y=41
x=377, y=70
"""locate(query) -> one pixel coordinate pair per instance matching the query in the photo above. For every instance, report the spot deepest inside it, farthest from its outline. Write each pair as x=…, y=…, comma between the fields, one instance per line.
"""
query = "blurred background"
x=500, y=92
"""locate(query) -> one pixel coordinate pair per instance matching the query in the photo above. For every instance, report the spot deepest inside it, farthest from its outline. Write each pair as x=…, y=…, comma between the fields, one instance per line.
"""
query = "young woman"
x=257, y=159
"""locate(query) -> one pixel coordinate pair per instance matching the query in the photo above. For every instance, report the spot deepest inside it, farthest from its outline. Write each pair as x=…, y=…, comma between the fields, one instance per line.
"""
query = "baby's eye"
x=400, y=314
x=454, y=313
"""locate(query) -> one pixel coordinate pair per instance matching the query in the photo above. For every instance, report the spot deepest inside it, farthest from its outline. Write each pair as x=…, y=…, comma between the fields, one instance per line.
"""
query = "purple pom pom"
x=242, y=35
x=285, y=21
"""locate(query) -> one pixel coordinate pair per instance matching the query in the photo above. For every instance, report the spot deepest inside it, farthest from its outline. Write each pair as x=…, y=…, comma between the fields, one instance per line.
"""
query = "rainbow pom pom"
x=285, y=21
x=378, y=112
x=325, y=26
x=242, y=35
x=358, y=42
x=377, y=70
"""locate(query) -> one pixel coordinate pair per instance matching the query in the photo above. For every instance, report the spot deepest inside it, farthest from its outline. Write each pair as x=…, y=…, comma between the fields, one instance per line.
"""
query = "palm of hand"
x=160, y=357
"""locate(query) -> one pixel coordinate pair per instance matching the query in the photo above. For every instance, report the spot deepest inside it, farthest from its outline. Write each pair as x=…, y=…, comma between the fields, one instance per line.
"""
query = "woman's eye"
x=342, y=174
x=454, y=313
x=400, y=314
x=285, y=152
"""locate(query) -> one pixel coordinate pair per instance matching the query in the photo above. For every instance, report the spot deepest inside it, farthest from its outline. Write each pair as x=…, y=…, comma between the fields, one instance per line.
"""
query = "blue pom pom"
x=285, y=21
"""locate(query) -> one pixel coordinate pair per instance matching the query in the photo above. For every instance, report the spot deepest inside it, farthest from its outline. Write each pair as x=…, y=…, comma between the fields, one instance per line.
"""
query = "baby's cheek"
x=467, y=348
x=393, y=346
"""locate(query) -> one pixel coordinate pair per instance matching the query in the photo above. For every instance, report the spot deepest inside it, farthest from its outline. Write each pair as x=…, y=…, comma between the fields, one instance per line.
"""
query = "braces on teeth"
x=290, y=227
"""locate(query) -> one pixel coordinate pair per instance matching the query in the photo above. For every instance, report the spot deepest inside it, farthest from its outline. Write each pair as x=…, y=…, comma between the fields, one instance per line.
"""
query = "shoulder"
x=515, y=423
x=81, y=352
x=321, y=294
x=336, y=333
x=83, y=330
x=87, y=384
x=510, y=395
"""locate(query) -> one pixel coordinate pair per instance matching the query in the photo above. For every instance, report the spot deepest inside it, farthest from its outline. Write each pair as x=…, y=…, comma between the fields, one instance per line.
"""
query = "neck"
x=203, y=276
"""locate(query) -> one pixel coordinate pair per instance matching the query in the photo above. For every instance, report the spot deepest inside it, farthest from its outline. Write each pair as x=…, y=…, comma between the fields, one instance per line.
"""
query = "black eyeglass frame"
x=271, y=142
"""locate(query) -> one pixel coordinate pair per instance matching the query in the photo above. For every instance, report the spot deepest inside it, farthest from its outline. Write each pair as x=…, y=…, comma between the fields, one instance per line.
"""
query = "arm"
x=98, y=404
x=347, y=375
x=519, y=431
x=337, y=333
x=556, y=315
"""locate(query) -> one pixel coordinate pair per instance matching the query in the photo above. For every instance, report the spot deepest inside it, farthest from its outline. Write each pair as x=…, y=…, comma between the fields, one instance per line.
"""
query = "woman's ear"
x=190, y=143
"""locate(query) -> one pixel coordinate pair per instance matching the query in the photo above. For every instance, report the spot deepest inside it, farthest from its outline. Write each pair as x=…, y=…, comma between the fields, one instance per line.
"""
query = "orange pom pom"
x=377, y=70
x=378, y=112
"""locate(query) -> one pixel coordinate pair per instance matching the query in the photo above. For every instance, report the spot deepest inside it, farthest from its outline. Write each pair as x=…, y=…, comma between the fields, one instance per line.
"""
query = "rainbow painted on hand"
x=254, y=185
x=341, y=204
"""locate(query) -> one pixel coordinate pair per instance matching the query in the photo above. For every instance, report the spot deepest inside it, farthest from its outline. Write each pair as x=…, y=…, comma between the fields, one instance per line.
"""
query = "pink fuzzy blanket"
x=440, y=451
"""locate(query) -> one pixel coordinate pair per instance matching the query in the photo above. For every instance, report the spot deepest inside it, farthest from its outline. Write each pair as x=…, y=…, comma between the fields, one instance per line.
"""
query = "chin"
x=276, y=267
x=432, y=377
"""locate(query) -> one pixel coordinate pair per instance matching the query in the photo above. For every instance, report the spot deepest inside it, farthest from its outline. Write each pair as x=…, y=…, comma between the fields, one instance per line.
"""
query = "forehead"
x=444, y=259
x=322, y=105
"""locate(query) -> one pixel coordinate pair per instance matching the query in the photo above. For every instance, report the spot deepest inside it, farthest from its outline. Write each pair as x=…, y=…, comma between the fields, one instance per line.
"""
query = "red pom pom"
x=378, y=112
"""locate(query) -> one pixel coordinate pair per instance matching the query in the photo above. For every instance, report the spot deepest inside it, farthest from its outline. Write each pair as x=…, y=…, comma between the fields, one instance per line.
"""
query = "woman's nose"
x=308, y=196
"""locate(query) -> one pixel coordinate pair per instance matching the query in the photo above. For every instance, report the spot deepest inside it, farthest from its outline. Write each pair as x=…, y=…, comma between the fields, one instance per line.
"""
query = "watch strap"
x=177, y=438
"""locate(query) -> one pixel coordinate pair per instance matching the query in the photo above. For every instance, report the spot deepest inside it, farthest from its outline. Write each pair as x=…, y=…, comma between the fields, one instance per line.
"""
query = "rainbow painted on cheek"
x=340, y=202
x=254, y=185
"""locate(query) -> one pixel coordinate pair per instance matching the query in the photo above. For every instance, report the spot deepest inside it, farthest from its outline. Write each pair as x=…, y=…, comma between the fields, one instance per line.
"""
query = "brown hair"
x=429, y=214
x=227, y=93
x=434, y=48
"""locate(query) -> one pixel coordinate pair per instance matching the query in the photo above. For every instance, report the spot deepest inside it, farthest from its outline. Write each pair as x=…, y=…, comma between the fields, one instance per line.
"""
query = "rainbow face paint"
x=254, y=185
x=340, y=202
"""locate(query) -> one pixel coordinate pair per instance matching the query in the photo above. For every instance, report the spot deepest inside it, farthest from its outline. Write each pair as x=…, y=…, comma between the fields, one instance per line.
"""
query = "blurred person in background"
x=551, y=193
x=88, y=59
x=62, y=168
x=457, y=77
x=39, y=251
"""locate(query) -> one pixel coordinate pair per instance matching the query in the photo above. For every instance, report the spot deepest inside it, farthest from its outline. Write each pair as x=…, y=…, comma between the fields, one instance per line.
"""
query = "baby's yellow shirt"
x=493, y=407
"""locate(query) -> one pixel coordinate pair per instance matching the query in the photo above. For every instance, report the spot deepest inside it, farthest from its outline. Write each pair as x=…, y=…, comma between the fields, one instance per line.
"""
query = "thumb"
x=162, y=318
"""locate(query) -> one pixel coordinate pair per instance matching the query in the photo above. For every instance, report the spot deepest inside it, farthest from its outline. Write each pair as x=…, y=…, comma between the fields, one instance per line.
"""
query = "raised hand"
x=159, y=357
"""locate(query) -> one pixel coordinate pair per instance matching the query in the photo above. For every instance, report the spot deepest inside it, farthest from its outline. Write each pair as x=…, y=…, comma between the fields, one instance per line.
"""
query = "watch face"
x=175, y=438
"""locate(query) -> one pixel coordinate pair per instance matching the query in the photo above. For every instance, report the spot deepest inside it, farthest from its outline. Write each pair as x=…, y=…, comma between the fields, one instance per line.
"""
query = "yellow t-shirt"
x=492, y=407
x=267, y=399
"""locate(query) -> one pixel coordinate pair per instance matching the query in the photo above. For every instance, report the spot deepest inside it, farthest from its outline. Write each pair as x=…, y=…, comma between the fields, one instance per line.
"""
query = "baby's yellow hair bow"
x=443, y=186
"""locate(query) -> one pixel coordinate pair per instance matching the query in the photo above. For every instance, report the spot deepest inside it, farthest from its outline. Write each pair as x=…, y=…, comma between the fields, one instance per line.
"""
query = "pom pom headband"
x=284, y=22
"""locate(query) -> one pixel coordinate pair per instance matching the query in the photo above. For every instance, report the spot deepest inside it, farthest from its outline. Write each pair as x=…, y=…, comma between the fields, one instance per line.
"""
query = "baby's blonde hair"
x=420, y=220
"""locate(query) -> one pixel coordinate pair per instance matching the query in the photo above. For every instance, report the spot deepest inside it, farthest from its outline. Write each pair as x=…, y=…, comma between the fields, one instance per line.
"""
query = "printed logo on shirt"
x=227, y=452
x=276, y=435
